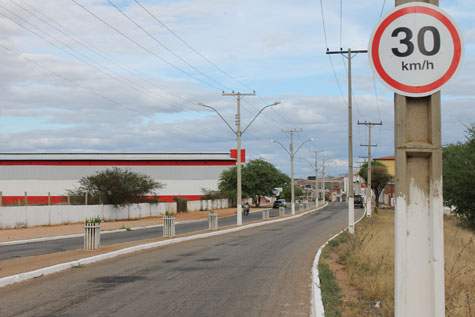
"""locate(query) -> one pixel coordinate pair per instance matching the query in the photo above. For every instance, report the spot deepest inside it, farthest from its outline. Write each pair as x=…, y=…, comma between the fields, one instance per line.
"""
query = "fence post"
x=49, y=198
x=1, y=198
x=69, y=199
x=85, y=199
x=26, y=199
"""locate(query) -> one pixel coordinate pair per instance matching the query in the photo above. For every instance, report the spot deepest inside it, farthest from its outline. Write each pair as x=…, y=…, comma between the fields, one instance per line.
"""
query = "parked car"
x=358, y=202
x=279, y=203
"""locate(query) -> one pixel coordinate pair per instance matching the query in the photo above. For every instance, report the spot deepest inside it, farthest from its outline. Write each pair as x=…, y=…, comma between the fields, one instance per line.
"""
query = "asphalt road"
x=263, y=271
x=10, y=252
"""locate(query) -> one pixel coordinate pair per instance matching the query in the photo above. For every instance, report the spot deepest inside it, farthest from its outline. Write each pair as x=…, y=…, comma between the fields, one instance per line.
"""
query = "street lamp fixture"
x=292, y=154
x=238, y=134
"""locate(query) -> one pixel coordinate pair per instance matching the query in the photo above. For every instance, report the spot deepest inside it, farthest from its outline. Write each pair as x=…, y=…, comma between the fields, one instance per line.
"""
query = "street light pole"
x=292, y=154
x=238, y=134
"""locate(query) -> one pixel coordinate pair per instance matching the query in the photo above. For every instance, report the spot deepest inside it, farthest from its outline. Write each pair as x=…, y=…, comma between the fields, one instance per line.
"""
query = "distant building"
x=40, y=174
x=388, y=195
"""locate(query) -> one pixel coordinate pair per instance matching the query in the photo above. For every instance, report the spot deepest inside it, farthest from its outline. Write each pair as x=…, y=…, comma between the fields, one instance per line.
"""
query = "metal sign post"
x=415, y=49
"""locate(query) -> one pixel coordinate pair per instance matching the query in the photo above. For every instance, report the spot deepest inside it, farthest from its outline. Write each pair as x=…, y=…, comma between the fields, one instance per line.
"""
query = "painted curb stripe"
x=317, y=302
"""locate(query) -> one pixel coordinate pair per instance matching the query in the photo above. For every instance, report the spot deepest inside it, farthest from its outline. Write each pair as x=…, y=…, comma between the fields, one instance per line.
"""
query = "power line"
x=210, y=62
x=163, y=45
x=143, y=47
x=120, y=79
x=73, y=82
x=91, y=47
x=191, y=48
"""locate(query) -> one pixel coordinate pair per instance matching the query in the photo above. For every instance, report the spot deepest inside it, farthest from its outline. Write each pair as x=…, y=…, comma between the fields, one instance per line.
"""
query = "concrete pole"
x=49, y=198
x=368, y=190
x=239, y=183
x=368, y=183
x=85, y=199
x=323, y=178
x=351, y=197
x=316, y=178
x=26, y=199
x=292, y=189
x=419, y=240
x=1, y=198
x=238, y=167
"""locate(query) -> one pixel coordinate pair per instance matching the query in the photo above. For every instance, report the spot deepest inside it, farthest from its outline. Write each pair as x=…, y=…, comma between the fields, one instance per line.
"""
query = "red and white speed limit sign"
x=415, y=49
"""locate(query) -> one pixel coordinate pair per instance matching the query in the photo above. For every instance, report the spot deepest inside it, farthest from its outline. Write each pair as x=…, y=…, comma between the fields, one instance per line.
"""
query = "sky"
x=128, y=76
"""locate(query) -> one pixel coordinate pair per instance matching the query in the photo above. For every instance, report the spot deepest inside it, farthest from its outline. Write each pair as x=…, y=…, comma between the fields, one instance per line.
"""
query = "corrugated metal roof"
x=116, y=156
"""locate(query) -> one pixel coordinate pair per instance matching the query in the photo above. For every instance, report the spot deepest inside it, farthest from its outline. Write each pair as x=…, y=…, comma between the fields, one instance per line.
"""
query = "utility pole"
x=419, y=236
x=239, y=133
x=292, y=189
x=323, y=177
x=292, y=154
x=351, y=198
x=368, y=185
x=316, y=176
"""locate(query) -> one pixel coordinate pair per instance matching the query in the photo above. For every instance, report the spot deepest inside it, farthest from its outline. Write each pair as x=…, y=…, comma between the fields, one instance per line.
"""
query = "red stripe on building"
x=116, y=163
x=56, y=200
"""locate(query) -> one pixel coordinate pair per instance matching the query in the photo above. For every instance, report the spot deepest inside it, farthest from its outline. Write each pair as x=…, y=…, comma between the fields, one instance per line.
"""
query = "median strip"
x=77, y=263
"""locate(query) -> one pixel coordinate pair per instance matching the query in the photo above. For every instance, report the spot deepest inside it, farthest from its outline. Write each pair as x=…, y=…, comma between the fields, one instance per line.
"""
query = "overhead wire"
x=73, y=82
x=144, y=48
x=190, y=47
x=93, y=48
x=121, y=79
x=210, y=62
x=154, y=38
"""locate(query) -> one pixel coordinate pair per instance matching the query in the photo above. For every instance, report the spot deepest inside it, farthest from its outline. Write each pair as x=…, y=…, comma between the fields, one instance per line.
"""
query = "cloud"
x=138, y=103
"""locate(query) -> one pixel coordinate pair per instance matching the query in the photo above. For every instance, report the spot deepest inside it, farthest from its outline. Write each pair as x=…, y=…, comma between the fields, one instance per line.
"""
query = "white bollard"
x=168, y=226
x=92, y=236
x=281, y=211
x=265, y=214
x=213, y=221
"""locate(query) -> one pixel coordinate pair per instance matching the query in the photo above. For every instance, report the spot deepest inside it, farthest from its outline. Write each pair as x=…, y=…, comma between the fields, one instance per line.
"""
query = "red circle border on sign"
x=416, y=89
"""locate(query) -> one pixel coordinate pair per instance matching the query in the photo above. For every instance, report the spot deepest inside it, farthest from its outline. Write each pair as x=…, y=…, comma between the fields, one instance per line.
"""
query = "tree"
x=116, y=186
x=459, y=177
x=259, y=178
x=379, y=177
x=287, y=193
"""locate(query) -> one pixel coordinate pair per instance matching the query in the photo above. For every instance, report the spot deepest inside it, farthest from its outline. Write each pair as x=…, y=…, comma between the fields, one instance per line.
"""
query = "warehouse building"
x=40, y=175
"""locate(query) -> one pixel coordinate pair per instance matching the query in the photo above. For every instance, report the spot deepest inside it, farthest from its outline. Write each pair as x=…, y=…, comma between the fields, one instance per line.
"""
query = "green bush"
x=181, y=204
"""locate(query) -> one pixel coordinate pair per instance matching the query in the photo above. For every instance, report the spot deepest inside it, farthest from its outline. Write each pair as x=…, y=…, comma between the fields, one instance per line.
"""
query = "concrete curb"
x=64, y=266
x=317, y=302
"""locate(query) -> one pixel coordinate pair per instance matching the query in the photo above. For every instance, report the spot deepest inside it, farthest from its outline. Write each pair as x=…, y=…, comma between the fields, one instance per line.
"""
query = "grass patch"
x=368, y=260
x=79, y=266
x=330, y=291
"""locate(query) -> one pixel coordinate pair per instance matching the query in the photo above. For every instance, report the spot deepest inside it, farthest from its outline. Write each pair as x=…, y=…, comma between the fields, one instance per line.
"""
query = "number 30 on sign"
x=415, y=49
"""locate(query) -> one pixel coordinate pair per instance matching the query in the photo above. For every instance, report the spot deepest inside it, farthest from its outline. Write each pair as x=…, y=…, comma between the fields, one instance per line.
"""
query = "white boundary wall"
x=29, y=216
x=203, y=205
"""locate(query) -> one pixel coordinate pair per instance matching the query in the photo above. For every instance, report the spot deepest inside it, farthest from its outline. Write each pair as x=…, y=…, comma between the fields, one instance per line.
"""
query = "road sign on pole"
x=415, y=49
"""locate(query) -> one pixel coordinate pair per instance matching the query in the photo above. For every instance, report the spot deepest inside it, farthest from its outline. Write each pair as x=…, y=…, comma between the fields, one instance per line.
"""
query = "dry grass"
x=368, y=257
